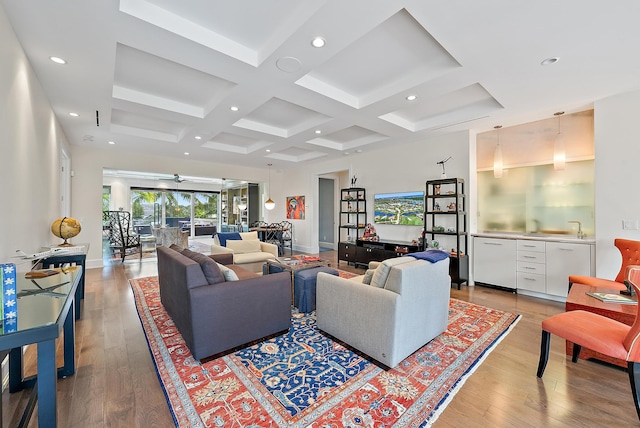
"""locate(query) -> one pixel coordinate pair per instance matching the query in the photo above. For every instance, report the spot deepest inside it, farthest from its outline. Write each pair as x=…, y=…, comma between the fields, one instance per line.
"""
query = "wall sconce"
x=498, y=165
x=559, y=154
x=269, y=204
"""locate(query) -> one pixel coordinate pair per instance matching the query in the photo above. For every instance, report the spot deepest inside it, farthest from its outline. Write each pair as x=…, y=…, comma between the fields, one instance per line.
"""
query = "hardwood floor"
x=116, y=385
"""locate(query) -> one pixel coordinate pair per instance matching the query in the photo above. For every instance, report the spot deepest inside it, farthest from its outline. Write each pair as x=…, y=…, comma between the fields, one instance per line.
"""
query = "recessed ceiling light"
x=550, y=61
x=234, y=108
x=112, y=142
x=268, y=150
x=411, y=97
x=197, y=137
x=318, y=131
x=359, y=151
x=186, y=153
x=318, y=42
x=57, y=60
x=74, y=114
x=345, y=153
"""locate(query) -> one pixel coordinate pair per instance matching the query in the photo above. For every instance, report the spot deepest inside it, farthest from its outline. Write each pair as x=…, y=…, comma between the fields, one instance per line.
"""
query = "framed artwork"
x=295, y=207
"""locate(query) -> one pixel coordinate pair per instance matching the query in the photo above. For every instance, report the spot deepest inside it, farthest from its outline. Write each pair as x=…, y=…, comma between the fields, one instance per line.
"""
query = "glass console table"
x=44, y=306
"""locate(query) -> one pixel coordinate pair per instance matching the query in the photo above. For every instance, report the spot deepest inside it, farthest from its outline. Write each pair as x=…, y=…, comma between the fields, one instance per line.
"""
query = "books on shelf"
x=612, y=298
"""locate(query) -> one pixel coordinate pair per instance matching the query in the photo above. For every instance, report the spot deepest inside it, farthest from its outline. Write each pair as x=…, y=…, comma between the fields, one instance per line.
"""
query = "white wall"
x=617, y=154
x=380, y=171
x=31, y=141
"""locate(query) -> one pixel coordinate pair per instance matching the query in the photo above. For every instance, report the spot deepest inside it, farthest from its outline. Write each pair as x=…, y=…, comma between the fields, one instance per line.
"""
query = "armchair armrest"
x=219, y=249
x=269, y=248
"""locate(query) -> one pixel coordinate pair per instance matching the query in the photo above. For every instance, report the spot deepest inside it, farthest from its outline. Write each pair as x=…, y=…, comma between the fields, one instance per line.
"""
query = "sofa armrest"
x=219, y=249
x=359, y=314
x=266, y=247
x=222, y=258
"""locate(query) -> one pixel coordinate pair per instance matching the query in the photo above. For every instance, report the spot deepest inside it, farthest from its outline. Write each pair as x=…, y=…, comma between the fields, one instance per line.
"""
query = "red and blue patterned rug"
x=305, y=379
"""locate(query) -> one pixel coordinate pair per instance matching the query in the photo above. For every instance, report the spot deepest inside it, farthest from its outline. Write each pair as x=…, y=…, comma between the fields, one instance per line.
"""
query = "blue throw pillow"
x=223, y=237
x=430, y=255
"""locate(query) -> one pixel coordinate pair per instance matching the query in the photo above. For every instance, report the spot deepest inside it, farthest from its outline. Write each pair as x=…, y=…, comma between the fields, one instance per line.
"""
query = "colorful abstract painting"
x=295, y=207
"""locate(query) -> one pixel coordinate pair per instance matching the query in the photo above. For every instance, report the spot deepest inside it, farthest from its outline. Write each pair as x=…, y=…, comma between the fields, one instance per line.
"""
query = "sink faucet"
x=581, y=234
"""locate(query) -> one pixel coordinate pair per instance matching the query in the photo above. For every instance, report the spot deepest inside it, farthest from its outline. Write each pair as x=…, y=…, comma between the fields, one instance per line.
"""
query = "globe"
x=65, y=228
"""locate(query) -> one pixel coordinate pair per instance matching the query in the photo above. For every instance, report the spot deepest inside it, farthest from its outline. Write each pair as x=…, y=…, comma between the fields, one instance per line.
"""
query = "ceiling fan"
x=176, y=178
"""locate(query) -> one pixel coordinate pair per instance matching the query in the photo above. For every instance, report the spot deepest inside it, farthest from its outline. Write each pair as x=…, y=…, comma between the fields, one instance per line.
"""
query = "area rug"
x=303, y=378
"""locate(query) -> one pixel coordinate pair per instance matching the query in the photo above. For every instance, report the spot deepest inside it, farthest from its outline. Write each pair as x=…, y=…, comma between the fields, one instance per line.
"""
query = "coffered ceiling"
x=163, y=76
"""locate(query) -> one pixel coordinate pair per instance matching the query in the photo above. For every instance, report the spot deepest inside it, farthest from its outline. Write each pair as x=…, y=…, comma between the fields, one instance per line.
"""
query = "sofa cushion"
x=368, y=275
x=223, y=237
x=209, y=267
x=175, y=247
x=242, y=246
x=229, y=275
x=379, y=278
x=249, y=235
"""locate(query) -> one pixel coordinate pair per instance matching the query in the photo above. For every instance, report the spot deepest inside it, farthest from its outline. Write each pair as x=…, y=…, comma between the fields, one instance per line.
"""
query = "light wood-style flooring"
x=116, y=385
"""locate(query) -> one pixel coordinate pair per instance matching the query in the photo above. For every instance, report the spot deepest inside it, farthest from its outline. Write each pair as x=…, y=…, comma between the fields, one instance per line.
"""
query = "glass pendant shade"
x=269, y=204
x=497, y=162
x=559, y=154
x=498, y=165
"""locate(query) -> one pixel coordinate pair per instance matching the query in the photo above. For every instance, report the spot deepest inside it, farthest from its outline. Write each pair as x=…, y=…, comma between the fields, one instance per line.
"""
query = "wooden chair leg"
x=634, y=379
x=544, y=352
x=576, y=353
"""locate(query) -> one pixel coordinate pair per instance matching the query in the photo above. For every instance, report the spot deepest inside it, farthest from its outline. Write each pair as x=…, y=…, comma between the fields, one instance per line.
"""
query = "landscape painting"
x=404, y=208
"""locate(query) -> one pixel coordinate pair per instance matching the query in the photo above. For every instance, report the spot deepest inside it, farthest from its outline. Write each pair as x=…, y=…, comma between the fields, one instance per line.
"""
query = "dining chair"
x=600, y=334
x=287, y=235
x=630, y=251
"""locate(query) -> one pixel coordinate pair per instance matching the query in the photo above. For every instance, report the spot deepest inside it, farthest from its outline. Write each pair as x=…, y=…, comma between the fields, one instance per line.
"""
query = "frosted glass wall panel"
x=537, y=199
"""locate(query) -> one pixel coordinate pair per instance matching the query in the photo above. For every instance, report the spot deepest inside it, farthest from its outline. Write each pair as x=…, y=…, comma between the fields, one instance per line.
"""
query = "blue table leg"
x=46, y=383
x=69, y=327
x=15, y=370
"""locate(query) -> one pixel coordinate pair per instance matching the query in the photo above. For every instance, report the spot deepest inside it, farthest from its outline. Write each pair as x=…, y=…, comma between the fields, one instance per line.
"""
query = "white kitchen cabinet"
x=531, y=266
x=564, y=259
x=494, y=261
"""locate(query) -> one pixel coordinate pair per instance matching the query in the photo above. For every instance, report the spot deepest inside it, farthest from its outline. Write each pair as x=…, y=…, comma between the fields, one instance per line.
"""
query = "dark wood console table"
x=362, y=252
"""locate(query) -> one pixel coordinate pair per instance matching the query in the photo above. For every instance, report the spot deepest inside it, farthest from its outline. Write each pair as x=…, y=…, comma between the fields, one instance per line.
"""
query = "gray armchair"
x=389, y=321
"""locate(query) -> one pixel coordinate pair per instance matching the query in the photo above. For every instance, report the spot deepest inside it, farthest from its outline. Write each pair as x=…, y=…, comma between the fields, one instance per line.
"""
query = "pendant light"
x=497, y=156
x=269, y=204
x=559, y=155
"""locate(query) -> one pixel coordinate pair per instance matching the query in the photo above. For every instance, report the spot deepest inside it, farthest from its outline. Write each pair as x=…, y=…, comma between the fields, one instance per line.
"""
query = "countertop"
x=573, y=239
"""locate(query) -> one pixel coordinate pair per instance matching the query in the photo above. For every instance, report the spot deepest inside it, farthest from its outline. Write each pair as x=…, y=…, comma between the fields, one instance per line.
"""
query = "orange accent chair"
x=630, y=251
x=600, y=334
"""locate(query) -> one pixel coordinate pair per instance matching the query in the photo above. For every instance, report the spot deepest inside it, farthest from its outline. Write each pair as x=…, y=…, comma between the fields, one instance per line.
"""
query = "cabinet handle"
x=528, y=246
x=530, y=279
x=529, y=267
x=565, y=249
x=492, y=243
x=529, y=257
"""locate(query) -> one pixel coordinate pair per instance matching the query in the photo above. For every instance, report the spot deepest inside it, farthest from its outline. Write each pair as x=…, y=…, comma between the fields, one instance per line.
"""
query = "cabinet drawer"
x=532, y=282
x=528, y=267
x=530, y=256
x=524, y=245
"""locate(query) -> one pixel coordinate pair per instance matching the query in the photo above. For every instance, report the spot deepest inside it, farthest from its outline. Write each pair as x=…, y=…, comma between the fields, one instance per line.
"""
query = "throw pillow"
x=223, y=237
x=175, y=247
x=382, y=272
x=368, y=275
x=210, y=269
x=242, y=246
x=249, y=235
x=229, y=275
x=431, y=255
